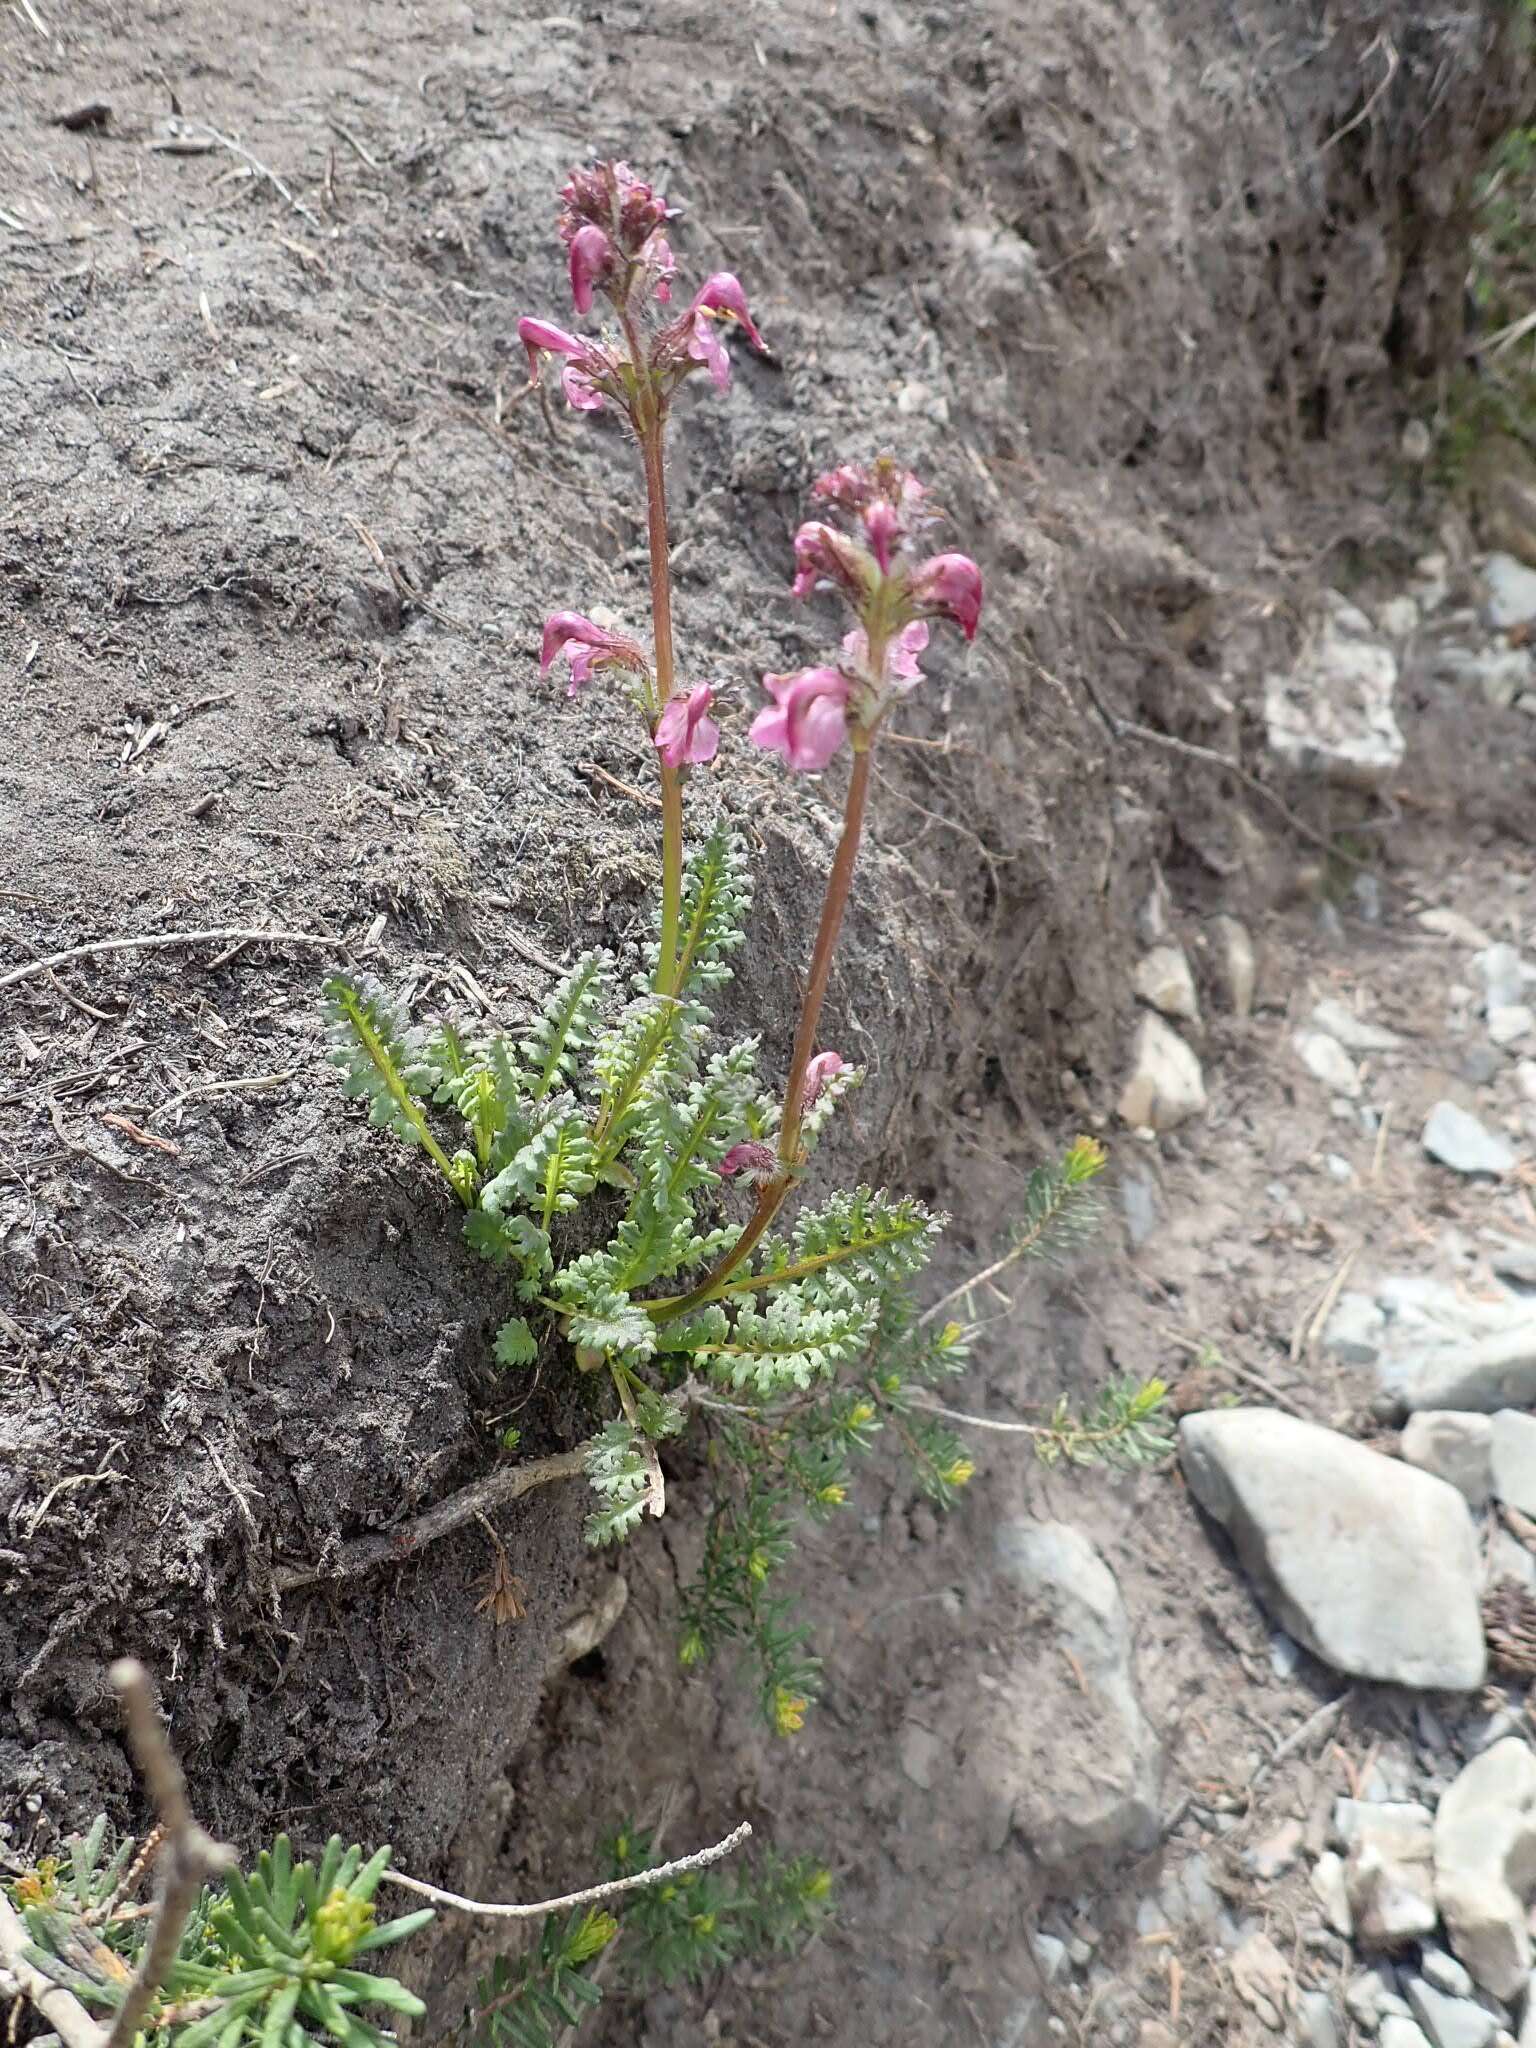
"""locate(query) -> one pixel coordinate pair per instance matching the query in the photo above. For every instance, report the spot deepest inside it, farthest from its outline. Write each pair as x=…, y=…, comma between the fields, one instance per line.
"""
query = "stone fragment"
x=1510, y=1023
x=1401, y=2033
x=1262, y=1978
x=1525, y=1079
x=1514, y=1262
x=1163, y=978
x=1499, y=970
x=1327, y=1882
x=1455, y=1447
x=1340, y=1022
x=1456, y=1138
x=1327, y=1061
x=1275, y=1854
x=1514, y=1459
x=1368, y=1563
x=1389, y=1876
x=1398, y=617
x=1500, y=675
x=1356, y=1330
x=1508, y=591
x=1239, y=967
x=1317, y=2020
x=1075, y=1669
x=1166, y=1087
x=1333, y=713
x=1444, y=1972
x=1373, y=1994
x=1051, y=1954
x=1485, y=1865
x=1450, y=2022
x=1444, y=1349
x=1450, y=924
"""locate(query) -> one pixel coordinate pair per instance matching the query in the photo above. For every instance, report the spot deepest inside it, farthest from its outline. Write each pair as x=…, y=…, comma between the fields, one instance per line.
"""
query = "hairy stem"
x=661, y=631
x=771, y=1199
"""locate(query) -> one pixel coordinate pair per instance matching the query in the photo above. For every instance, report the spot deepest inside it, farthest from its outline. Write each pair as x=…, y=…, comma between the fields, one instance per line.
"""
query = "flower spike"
x=808, y=719
x=684, y=733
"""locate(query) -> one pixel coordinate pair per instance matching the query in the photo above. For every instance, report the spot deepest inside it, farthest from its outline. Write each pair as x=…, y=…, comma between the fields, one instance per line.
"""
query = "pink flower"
x=818, y=1073
x=758, y=1161
x=882, y=522
x=594, y=647
x=610, y=196
x=592, y=258
x=657, y=258
x=949, y=587
x=808, y=719
x=585, y=362
x=683, y=732
x=719, y=298
x=581, y=394
x=823, y=555
x=901, y=652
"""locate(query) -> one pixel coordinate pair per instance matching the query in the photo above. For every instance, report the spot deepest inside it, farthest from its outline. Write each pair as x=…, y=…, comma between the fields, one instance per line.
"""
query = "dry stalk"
x=537, y=1908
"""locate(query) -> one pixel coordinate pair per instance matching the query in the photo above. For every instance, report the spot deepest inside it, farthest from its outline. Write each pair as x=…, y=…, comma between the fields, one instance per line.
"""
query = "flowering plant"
x=792, y=1345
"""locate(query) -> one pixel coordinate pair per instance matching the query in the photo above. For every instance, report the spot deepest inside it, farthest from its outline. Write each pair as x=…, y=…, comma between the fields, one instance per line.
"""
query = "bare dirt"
x=1147, y=292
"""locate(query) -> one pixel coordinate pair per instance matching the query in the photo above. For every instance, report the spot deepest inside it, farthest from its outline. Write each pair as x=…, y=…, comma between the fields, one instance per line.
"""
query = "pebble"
x=1166, y=1087
x=1455, y=1447
x=1138, y=1201
x=1340, y=1022
x=1485, y=1846
x=1356, y=1330
x=1328, y=1888
x=1398, y=617
x=1327, y=1061
x=1338, y=1166
x=1450, y=2022
x=1333, y=713
x=1388, y=1871
x=1450, y=924
x=1443, y=1349
x=1239, y=967
x=1284, y=1655
x=1315, y=2016
x=1368, y=1563
x=1508, y=590
x=1514, y=1459
x=1498, y=968
x=1525, y=1079
x=1164, y=980
x=1401, y=2033
x=1508, y=1023
x=1051, y=1954
x=1444, y=1972
x=1373, y=1994
x=1458, y=1140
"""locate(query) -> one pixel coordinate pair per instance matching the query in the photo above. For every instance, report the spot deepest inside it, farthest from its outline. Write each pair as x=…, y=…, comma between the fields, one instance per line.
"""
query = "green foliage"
x=529, y=2003
x=1127, y=1426
x=620, y=1473
x=271, y=1957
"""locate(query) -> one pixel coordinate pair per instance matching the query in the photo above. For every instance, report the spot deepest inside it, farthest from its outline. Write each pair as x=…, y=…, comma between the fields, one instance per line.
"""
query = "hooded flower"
x=592, y=260
x=588, y=368
x=901, y=652
x=719, y=300
x=587, y=646
x=758, y=1161
x=683, y=732
x=823, y=555
x=949, y=587
x=611, y=197
x=818, y=1073
x=808, y=719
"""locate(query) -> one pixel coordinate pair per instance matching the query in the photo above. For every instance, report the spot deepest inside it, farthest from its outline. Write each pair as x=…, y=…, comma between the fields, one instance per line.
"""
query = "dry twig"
x=539, y=1907
x=58, y=2007
x=150, y=941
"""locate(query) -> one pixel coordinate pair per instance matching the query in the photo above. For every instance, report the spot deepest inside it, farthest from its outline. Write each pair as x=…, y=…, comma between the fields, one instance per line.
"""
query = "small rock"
x=1163, y=979
x=1355, y=1330
x=1485, y=1865
x=1333, y=714
x=1317, y=2021
x=1327, y=1061
x=1327, y=1882
x=1398, y=617
x=1368, y=1563
x=1051, y=1955
x=1525, y=1079
x=1138, y=1201
x=1509, y=592
x=1401, y=2033
x=1444, y=1972
x=1444, y=1349
x=1262, y=1978
x=1388, y=1871
x=1514, y=1460
x=1498, y=674
x=1152, y=920
x=1459, y=1141
x=1508, y=1023
x=1238, y=964
x=1274, y=1855
x=918, y=1751
x=1450, y=2022
x=1372, y=1995
x=1284, y=1655
x=1455, y=1447
x=1514, y=1263
x=1166, y=1087
x=1340, y=1022
x=1480, y=1064
x=1338, y=1166
x=1450, y=924
x=1499, y=970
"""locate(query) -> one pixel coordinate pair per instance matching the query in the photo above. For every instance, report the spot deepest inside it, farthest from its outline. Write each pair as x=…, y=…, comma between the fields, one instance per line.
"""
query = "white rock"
x=1450, y=2022
x=1514, y=1458
x=1051, y=1953
x=1456, y=1138
x=1373, y=1994
x=1152, y=920
x=1239, y=966
x=1333, y=713
x=1327, y=1061
x=1315, y=2016
x=1388, y=1871
x=1444, y=1349
x=1499, y=674
x=1455, y=1447
x=1509, y=591
x=1166, y=1087
x=1340, y=1022
x=1328, y=1888
x=1444, y=1972
x=1368, y=1563
x=1499, y=970
x=1400, y=2033
x=1508, y=1023
x=1450, y=924
x=1164, y=980
x=1073, y=1618
x=1356, y=1330
x=1525, y=1079
x=1485, y=1864
x=1398, y=617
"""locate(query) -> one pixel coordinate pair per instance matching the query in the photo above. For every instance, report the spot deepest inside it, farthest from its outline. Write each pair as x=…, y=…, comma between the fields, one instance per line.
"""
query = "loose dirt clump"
x=1142, y=291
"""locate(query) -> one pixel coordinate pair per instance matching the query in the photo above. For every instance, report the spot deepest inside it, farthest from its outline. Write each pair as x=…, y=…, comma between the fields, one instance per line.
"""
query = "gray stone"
x=1318, y=2023
x=1356, y=1330
x=1371, y=1995
x=1508, y=591
x=1274, y=1855
x=1514, y=1459
x=1498, y=674
x=1444, y=1972
x=1389, y=1870
x=1398, y=617
x=1327, y=1061
x=1485, y=1865
x=1333, y=713
x=1239, y=967
x=1284, y=1655
x=1340, y=1022
x=1401, y=2033
x=1450, y=924
x=1327, y=1881
x=1455, y=1447
x=1525, y=1079
x=1166, y=1087
x=1108, y=1798
x=1514, y=1263
x=1051, y=1955
x=1456, y=1138
x=1138, y=1201
x=1367, y=1563
x=1450, y=2022
x=1509, y=1023
x=1443, y=1349
x=1163, y=979
x=1498, y=969
x=919, y=1751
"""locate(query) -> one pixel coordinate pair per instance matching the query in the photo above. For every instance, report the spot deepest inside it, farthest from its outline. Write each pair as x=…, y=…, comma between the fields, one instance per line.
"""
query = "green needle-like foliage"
x=274, y=1957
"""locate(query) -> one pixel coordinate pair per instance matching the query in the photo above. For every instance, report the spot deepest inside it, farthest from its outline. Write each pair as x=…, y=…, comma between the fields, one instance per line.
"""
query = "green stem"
x=772, y=1197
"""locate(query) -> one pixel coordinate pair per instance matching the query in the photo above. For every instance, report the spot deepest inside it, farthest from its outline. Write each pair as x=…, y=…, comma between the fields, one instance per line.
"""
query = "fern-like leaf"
x=383, y=1060
x=789, y=1343
x=717, y=898
x=550, y=1174
x=858, y=1244
x=566, y=1026
x=619, y=1473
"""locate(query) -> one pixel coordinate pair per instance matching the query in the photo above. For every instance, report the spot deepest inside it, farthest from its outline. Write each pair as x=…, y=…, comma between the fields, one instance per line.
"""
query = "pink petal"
x=591, y=261
x=540, y=338
x=705, y=346
x=580, y=392
x=949, y=586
